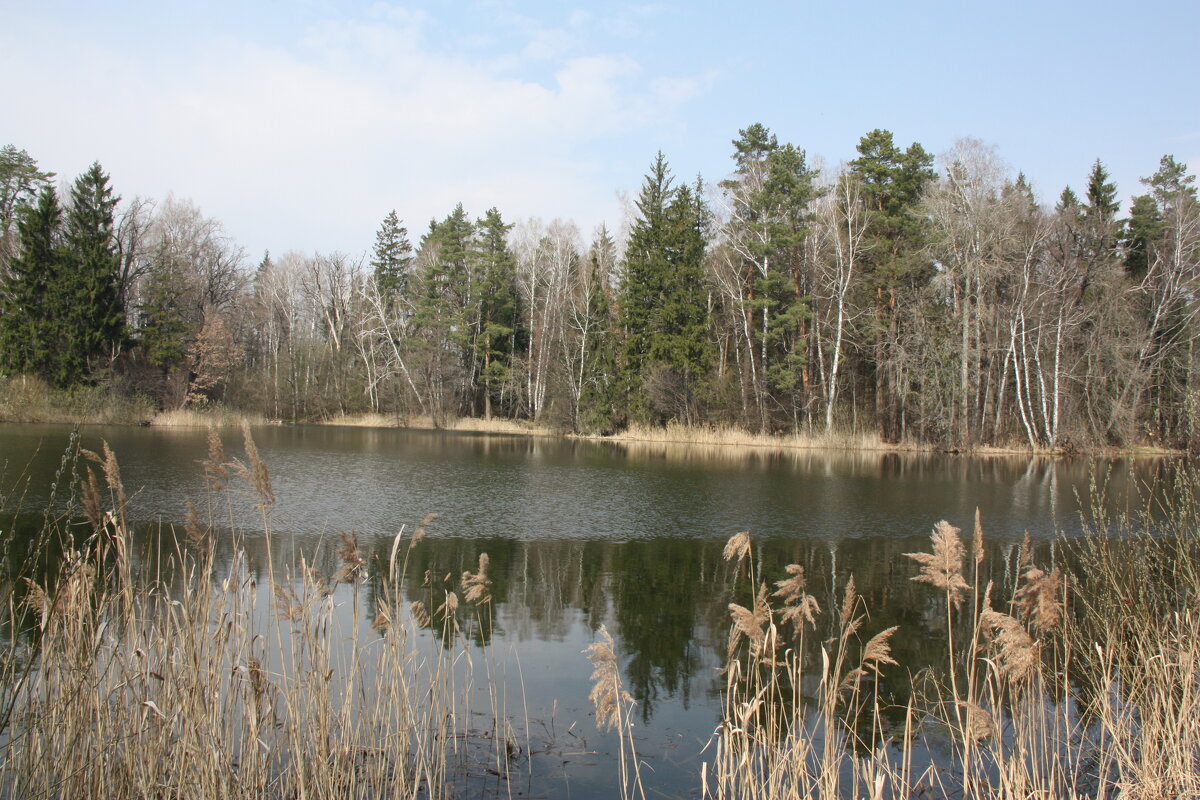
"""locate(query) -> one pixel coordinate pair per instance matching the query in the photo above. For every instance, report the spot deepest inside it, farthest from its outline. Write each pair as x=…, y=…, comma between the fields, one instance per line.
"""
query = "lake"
x=584, y=533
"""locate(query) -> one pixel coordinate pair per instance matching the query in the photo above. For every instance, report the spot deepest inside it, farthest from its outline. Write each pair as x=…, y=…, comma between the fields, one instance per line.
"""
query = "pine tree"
x=769, y=196
x=893, y=182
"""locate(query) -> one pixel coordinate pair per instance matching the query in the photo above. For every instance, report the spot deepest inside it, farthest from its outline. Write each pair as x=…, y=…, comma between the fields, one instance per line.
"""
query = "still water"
x=581, y=534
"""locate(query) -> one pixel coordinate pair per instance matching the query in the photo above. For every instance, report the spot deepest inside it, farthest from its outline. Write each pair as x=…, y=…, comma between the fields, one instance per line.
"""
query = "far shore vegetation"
x=31, y=400
x=900, y=300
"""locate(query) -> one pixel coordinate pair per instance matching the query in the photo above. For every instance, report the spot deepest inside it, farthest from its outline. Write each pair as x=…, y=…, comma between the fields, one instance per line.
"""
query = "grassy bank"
x=27, y=399
x=496, y=425
x=735, y=437
x=206, y=417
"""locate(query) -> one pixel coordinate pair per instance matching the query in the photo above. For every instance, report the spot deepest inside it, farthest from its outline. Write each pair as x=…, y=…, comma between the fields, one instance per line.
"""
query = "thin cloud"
x=308, y=144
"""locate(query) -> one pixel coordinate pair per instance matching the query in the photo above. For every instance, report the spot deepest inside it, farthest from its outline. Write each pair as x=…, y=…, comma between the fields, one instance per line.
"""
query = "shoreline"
x=717, y=437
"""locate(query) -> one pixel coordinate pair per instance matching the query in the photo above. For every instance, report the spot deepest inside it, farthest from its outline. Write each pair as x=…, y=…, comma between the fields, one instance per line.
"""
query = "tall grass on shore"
x=1083, y=683
x=185, y=680
x=728, y=435
x=205, y=417
x=30, y=399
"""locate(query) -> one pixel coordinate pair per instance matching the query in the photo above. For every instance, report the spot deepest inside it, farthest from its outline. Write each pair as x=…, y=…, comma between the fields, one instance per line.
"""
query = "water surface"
x=581, y=534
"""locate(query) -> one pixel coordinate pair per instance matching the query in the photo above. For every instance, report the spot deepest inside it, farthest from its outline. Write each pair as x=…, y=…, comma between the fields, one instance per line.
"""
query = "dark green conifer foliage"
x=392, y=258
x=167, y=330
x=893, y=183
x=443, y=317
x=498, y=320
x=1173, y=279
x=30, y=304
x=20, y=183
x=663, y=299
x=94, y=320
x=1100, y=230
x=1141, y=231
x=598, y=401
x=770, y=193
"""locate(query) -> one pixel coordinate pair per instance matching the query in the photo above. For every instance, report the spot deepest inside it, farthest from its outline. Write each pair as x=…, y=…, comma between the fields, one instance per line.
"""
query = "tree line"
x=920, y=300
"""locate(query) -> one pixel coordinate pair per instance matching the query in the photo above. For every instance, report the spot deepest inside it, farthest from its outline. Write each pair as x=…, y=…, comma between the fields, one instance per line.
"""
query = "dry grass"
x=206, y=417
x=26, y=399
x=496, y=425
x=179, y=679
x=1054, y=695
x=735, y=437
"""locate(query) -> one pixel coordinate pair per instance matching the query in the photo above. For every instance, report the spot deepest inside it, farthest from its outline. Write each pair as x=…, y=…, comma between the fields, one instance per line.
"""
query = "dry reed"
x=184, y=681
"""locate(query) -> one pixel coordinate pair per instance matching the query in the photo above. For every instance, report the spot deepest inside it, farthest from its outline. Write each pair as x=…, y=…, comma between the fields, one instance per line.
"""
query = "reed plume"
x=798, y=605
x=608, y=695
x=93, y=507
x=353, y=566
x=476, y=585
x=1016, y=654
x=193, y=530
x=419, y=614
x=216, y=472
x=254, y=472
x=877, y=652
x=737, y=547
x=1039, y=598
x=943, y=568
x=752, y=625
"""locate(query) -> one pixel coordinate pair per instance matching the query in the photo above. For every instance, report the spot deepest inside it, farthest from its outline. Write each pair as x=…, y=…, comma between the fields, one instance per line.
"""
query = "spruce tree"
x=597, y=401
x=663, y=299
x=166, y=330
x=497, y=320
x=1141, y=232
x=391, y=258
x=94, y=320
x=443, y=318
x=1100, y=232
x=31, y=304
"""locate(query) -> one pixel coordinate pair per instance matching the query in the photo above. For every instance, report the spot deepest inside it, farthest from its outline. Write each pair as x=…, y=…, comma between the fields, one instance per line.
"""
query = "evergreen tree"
x=20, y=183
x=94, y=327
x=893, y=182
x=769, y=196
x=443, y=318
x=663, y=300
x=392, y=258
x=1100, y=232
x=598, y=402
x=167, y=329
x=1141, y=231
x=31, y=305
x=498, y=320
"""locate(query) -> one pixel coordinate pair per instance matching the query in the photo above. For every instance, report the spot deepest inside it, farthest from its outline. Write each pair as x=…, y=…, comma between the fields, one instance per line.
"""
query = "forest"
x=921, y=300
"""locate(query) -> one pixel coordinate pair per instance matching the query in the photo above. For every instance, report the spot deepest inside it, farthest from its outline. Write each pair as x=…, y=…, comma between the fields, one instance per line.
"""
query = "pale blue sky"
x=300, y=124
